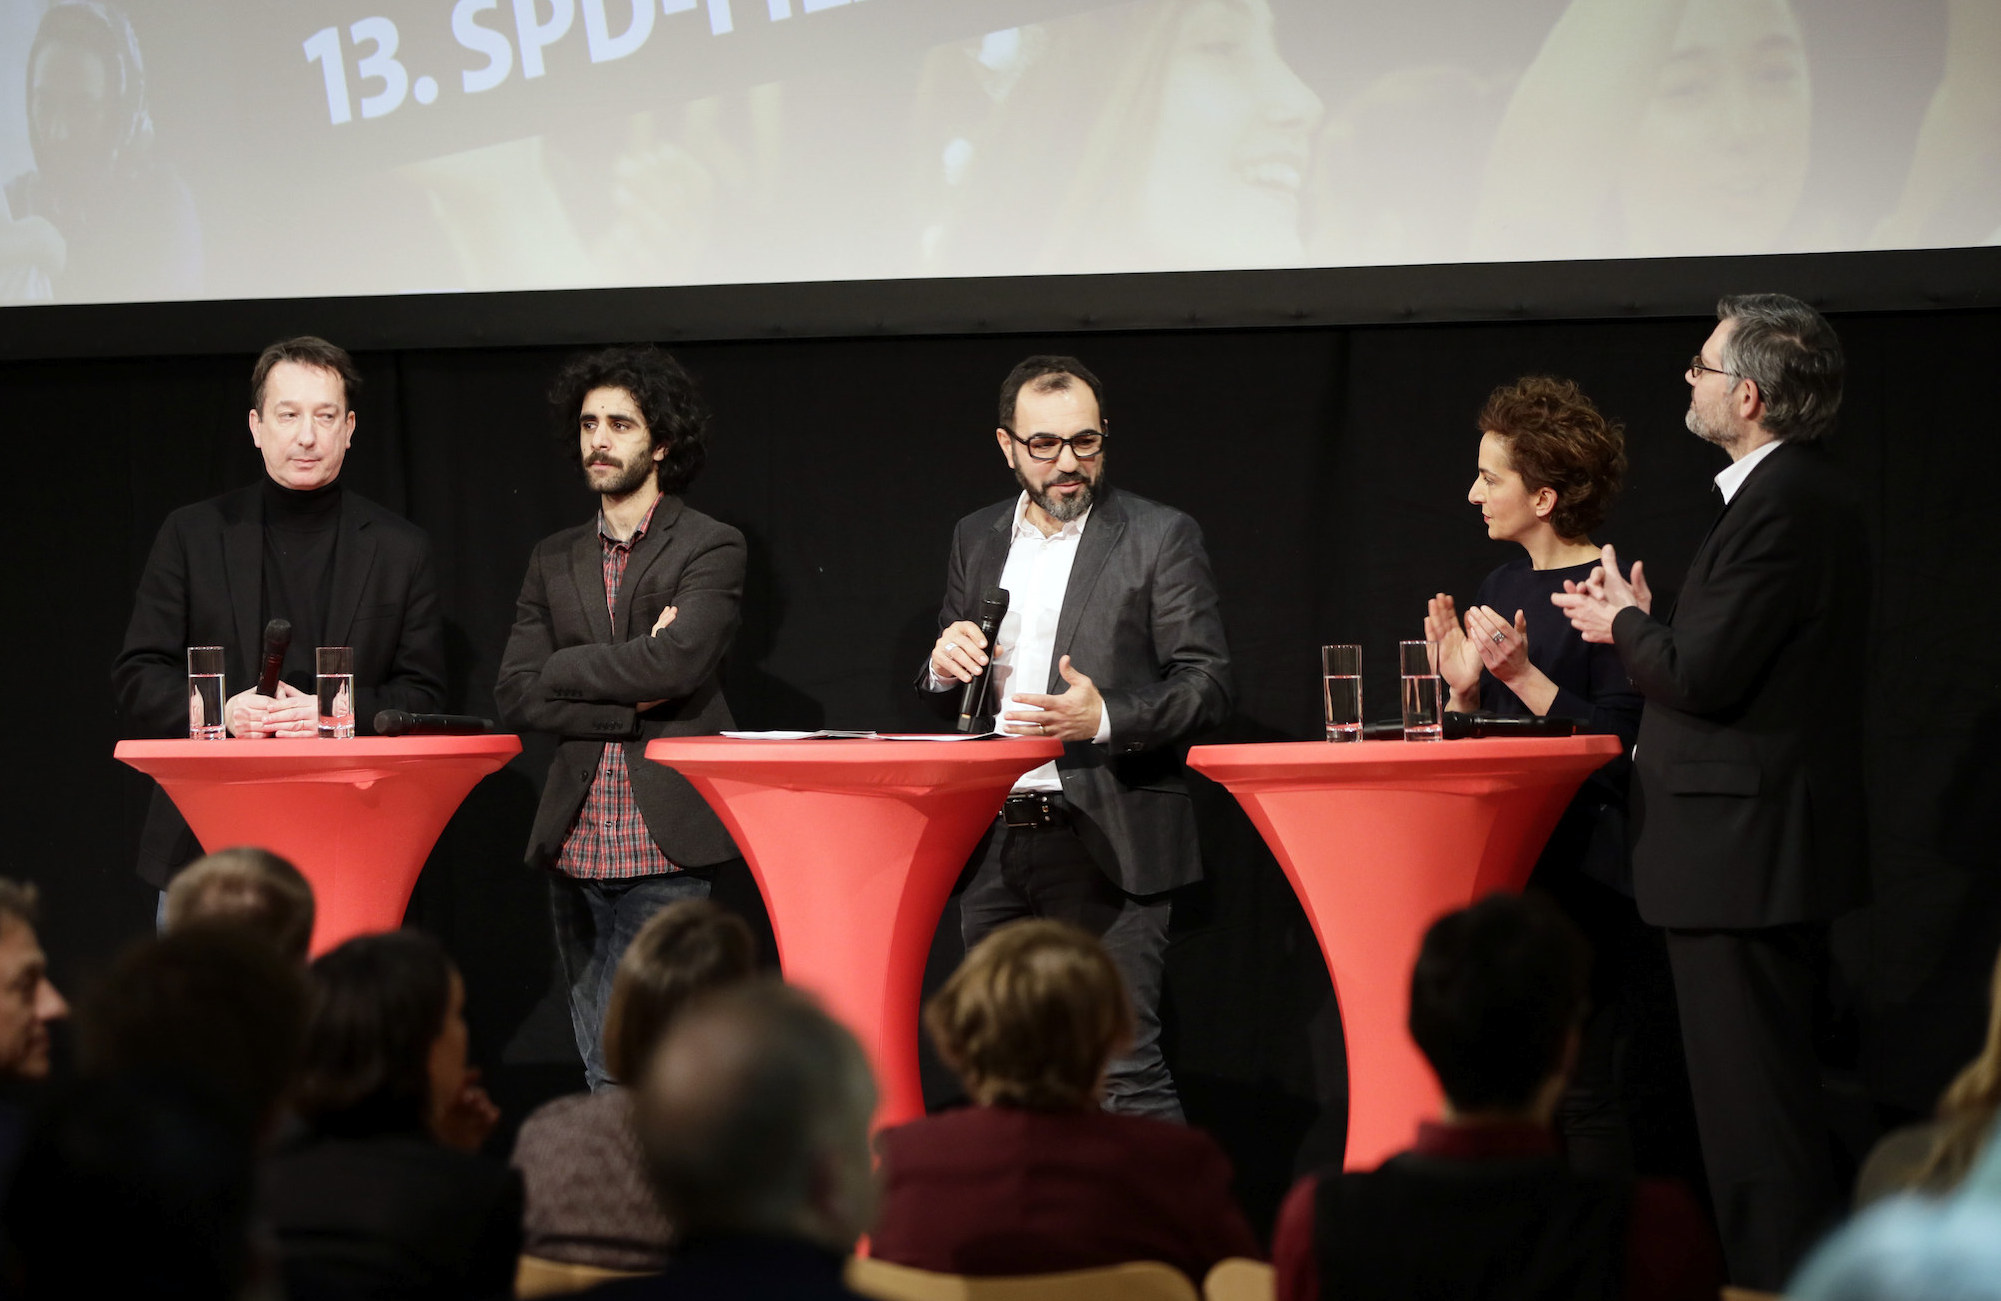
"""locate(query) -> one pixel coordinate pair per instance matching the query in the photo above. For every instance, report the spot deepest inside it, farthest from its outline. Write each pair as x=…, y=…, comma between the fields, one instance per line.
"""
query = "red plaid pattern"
x=609, y=840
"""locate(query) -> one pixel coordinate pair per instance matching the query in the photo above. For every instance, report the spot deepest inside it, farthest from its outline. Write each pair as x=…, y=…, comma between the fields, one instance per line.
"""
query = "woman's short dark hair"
x=378, y=1004
x=1557, y=439
x=668, y=398
x=683, y=950
x=1495, y=992
x=1031, y=1016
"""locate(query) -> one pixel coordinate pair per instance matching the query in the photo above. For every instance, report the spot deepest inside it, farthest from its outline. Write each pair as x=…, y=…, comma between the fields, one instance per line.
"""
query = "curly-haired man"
x=619, y=637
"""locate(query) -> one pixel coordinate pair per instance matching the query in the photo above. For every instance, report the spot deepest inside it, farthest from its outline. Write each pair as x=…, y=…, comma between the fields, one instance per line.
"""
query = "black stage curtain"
x=1329, y=468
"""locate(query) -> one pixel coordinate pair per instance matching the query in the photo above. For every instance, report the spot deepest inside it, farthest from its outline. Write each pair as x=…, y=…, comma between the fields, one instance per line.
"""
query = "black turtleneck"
x=300, y=528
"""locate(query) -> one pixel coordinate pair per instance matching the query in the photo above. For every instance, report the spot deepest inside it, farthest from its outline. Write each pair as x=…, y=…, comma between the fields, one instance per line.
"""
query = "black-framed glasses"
x=1697, y=366
x=1047, y=447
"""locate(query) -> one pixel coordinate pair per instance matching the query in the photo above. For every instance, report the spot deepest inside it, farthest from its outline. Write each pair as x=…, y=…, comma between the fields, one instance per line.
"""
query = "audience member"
x=1035, y=1177
x=382, y=1196
x=211, y=1005
x=1484, y=1206
x=1916, y=1247
x=588, y=1198
x=1935, y=1155
x=753, y=1115
x=28, y=1002
x=245, y=886
x=139, y=1185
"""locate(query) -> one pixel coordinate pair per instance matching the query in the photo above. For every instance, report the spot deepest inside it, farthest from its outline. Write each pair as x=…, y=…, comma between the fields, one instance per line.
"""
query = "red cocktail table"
x=1378, y=839
x=855, y=846
x=358, y=817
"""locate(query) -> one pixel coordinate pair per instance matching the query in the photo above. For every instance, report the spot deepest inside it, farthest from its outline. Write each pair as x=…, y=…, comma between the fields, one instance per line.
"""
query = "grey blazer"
x=1140, y=618
x=569, y=671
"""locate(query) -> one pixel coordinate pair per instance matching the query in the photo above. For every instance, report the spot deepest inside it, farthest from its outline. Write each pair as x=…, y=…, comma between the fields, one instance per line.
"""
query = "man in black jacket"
x=619, y=637
x=297, y=546
x=1747, y=788
x=1113, y=644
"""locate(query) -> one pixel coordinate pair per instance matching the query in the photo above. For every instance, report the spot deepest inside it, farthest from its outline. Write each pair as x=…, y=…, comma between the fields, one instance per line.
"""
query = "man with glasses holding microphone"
x=1113, y=643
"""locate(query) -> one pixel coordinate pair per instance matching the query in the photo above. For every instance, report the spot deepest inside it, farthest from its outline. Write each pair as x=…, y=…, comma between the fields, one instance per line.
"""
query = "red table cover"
x=1379, y=838
x=855, y=845
x=358, y=816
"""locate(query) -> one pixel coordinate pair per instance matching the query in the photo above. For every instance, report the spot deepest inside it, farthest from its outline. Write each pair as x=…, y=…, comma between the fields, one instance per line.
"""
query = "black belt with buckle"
x=1035, y=809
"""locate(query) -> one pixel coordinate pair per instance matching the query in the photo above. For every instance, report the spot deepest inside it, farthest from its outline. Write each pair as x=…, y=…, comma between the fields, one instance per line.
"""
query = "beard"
x=1700, y=425
x=627, y=479
x=1062, y=509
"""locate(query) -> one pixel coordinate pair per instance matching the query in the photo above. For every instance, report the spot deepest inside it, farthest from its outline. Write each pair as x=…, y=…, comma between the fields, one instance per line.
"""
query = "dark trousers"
x=596, y=921
x=1747, y=1018
x=1046, y=872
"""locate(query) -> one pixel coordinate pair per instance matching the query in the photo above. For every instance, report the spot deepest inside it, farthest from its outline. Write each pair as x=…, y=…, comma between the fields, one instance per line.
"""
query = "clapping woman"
x=1550, y=465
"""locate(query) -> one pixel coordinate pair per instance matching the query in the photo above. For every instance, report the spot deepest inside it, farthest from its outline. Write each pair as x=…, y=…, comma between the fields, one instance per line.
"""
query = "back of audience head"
x=245, y=886
x=1915, y=1246
x=209, y=1003
x=1495, y=1001
x=386, y=1039
x=29, y=1003
x=1970, y=1105
x=140, y=1184
x=683, y=950
x=1031, y=1017
x=753, y=1115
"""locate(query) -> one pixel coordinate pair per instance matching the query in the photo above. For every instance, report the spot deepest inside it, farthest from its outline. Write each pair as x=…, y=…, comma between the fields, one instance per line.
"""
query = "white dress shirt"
x=1732, y=476
x=1036, y=576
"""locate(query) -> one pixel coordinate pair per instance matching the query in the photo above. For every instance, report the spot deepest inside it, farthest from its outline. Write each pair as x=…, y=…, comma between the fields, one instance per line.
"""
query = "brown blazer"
x=569, y=671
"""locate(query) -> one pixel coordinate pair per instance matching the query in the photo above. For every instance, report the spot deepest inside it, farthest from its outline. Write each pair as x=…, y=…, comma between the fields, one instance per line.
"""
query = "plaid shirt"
x=609, y=840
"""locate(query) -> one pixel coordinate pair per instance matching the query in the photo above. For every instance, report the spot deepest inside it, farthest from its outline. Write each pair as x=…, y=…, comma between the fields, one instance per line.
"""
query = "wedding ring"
x=951, y=645
x=1500, y=636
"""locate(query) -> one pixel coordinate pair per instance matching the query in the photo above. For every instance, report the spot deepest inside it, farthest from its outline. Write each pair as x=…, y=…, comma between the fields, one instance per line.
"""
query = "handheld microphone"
x=993, y=608
x=399, y=722
x=277, y=640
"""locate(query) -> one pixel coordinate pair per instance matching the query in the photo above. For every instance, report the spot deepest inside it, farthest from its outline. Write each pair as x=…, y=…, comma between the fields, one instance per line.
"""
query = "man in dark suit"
x=1747, y=788
x=297, y=546
x=1113, y=643
x=618, y=638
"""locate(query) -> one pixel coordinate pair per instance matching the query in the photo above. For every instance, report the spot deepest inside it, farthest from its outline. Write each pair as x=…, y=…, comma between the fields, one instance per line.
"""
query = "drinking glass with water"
x=1341, y=669
x=205, y=694
x=335, y=669
x=1423, y=691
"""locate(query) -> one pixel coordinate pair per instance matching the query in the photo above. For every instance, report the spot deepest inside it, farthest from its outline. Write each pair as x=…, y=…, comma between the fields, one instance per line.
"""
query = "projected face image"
x=1720, y=155
x=1065, y=487
x=614, y=443
x=1505, y=502
x=70, y=97
x=1231, y=145
x=304, y=427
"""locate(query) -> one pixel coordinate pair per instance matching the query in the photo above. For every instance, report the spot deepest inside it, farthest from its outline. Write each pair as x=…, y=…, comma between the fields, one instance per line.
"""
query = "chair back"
x=537, y=1277
x=1240, y=1279
x=1141, y=1280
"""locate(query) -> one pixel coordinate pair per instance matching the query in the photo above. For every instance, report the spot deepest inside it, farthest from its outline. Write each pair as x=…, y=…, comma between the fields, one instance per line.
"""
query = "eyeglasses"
x=1047, y=447
x=1696, y=366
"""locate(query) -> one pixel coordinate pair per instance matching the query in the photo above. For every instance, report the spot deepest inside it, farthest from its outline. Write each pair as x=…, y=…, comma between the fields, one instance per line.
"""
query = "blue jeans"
x=595, y=921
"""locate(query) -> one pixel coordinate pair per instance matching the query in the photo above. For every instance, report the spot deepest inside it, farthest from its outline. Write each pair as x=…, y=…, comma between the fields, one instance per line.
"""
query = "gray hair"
x=1791, y=353
x=245, y=886
x=19, y=902
x=752, y=1088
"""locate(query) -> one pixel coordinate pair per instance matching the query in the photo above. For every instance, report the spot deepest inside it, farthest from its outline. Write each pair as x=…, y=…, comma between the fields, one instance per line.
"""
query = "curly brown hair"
x=1557, y=439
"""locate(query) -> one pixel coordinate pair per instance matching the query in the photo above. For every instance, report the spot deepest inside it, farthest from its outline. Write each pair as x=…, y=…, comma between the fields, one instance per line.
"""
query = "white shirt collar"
x=1732, y=476
x=1025, y=528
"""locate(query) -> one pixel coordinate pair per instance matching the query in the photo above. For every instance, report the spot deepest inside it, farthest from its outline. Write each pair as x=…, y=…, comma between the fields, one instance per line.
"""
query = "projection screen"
x=163, y=150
